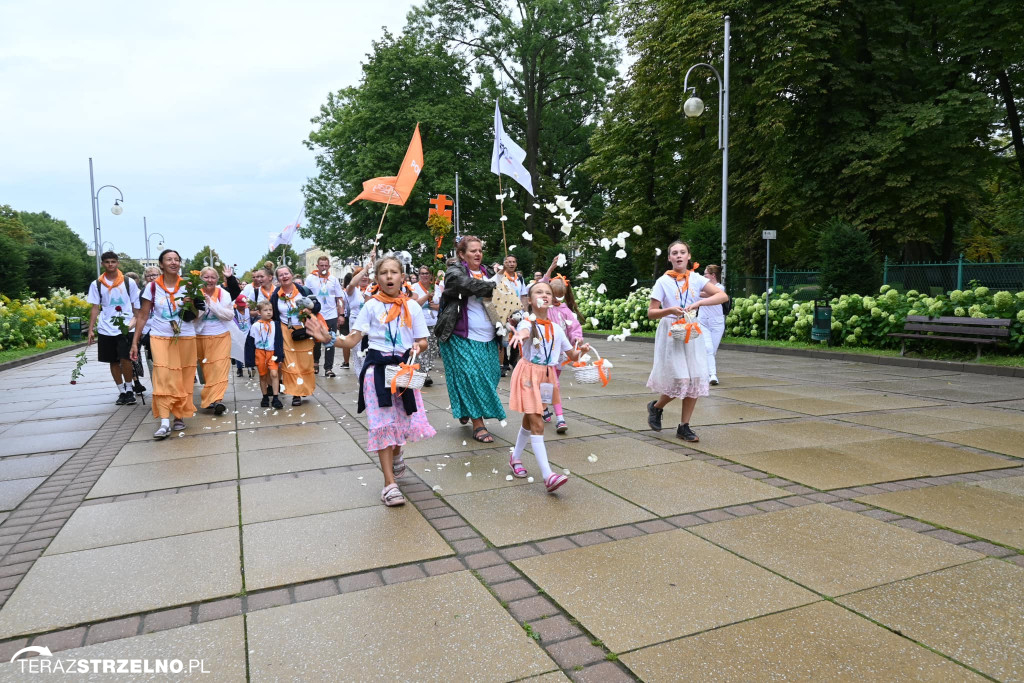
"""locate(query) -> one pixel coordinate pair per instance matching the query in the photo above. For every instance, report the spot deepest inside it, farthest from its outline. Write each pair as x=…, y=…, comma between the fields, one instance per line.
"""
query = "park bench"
x=975, y=331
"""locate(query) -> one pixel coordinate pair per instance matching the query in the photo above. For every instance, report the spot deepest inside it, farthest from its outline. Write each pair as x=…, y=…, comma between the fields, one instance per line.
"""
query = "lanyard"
x=396, y=332
x=547, y=348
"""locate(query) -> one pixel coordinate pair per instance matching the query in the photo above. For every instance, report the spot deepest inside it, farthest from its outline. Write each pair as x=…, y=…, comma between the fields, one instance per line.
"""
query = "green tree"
x=201, y=259
x=129, y=265
x=850, y=110
x=554, y=59
x=67, y=263
x=849, y=264
x=13, y=265
x=278, y=257
x=11, y=225
x=363, y=132
x=618, y=275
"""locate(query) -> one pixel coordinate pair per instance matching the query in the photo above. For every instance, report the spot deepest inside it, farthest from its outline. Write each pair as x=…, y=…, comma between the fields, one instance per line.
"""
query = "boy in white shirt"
x=114, y=299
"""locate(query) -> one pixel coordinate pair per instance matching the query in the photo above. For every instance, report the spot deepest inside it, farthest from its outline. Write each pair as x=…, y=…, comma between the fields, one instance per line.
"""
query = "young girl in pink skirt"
x=535, y=383
x=563, y=314
x=394, y=325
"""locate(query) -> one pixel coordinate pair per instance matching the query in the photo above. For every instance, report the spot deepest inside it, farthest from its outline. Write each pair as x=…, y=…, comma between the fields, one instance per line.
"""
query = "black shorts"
x=112, y=348
x=343, y=325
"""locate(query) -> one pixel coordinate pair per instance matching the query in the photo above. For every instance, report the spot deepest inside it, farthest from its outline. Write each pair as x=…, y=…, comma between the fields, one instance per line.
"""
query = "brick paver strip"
x=266, y=599
x=989, y=549
x=605, y=672
x=591, y=538
x=554, y=629
x=499, y=573
x=653, y=526
x=513, y=590
x=444, y=566
x=949, y=536
x=519, y=552
x=113, y=630
x=555, y=545
x=575, y=652
x=401, y=574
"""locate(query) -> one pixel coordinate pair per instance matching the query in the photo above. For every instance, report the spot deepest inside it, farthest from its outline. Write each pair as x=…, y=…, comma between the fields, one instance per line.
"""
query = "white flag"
x=285, y=236
x=507, y=157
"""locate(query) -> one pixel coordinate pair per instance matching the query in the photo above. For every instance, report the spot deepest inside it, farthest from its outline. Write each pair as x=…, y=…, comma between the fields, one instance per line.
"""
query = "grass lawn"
x=14, y=354
x=961, y=353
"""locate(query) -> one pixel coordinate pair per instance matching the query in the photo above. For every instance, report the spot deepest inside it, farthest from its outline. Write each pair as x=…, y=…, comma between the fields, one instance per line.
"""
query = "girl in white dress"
x=680, y=369
x=712, y=319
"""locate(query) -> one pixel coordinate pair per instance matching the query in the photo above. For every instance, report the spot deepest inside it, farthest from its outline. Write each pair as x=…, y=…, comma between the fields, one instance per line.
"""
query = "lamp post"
x=145, y=232
x=93, y=251
x=95, y=202
x=694, y=107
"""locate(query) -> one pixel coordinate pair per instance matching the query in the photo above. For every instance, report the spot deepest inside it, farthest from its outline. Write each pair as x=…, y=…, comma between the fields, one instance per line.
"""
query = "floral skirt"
x=391, y=426
x=680, y=370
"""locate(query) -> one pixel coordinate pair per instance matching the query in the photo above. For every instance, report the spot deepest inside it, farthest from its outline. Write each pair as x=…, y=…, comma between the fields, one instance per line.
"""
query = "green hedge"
x=859, y=321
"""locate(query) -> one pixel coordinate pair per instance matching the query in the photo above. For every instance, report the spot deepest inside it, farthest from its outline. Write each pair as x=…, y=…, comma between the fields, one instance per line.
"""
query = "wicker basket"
x=405, y=381
x=590, y=373
x=678, y=331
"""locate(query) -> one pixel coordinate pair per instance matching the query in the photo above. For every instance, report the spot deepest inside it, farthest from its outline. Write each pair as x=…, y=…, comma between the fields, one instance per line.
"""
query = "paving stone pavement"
x=834, y=521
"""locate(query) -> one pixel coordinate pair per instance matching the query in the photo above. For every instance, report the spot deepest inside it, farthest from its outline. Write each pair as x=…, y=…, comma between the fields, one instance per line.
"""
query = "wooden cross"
x=441, y=205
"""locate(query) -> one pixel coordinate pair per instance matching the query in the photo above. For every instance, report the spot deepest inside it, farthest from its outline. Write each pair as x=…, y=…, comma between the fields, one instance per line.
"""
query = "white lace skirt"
x=680, y=370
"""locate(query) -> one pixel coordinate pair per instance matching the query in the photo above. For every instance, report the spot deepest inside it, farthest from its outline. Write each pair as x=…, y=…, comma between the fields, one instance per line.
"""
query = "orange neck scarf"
x=400, y=307
x=548, y=327
x=477, y=276
x=286, y=297
x=266, y=291
x=118, y=281
x=510, y=276
x=170, y=292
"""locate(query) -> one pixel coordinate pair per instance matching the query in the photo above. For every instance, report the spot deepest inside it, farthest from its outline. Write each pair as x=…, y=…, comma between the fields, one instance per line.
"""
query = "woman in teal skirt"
x=467, y=340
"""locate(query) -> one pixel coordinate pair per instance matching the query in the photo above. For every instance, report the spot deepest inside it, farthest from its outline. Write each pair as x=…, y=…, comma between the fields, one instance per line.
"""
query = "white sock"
x=165, y=422
x=541, y=453
x=128, y=387
x=120, y=387
x=524, y=436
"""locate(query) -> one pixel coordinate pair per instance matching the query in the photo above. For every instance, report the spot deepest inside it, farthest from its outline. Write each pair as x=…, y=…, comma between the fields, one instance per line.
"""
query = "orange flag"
x=396, y=189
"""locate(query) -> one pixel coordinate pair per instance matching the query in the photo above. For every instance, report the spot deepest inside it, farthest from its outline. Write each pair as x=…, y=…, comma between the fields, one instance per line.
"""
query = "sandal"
x=161, y=433
x=179, y=424
x=554, y=481
x=485, y=438
x=518, y=471
x=392, y=496
x=296, y=400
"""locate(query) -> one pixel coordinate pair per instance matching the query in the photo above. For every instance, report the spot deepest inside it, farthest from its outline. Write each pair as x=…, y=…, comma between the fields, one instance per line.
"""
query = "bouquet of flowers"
x=304, y=308
x=193, y=290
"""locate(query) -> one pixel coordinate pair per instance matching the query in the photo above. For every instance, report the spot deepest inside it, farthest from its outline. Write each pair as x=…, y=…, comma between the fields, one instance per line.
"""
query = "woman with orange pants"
x=297, y=370
x=213, y=341
x=172, y=341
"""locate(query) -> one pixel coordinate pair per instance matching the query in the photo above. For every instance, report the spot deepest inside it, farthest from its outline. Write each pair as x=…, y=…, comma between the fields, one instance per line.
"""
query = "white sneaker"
x=714, y=381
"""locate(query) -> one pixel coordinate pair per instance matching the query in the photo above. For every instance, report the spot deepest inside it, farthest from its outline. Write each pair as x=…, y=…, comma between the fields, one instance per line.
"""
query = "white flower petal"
x=594, y=322
x=621, y=253
x=583, y=275
x=469, y=474
x=527, y=236
x=508, y=477
x=503, y=219
x=526, y=215
x=499, y=197
x=551, y=207
x=561, y=260
x=591, y=458
x=567, y=228
x=637, y=230
x=511, y=247
x=634, y=282
x=601, y=289
x=633, y=325
x=529, y=480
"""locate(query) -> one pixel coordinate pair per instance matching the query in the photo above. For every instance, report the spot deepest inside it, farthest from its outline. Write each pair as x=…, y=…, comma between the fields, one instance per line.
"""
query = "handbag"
x=300, y=334
x=503, y=303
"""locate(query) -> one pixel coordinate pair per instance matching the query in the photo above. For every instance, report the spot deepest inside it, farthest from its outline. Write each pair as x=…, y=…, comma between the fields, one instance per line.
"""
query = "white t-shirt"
x=328, y=290
x=547, y=352
x=429, y=316
x=212, y=325
x=164, y=312
x=265, y=334
x=670, y=293
x=394, y=337
x=481, y=328
x=125, y=296
x=354, y=303
x=255, y=294
x=711, y=315
x=289, y=312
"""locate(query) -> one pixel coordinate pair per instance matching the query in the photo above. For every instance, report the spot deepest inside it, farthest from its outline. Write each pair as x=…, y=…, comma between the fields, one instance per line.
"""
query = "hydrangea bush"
x=867, y=320
x=857, y=320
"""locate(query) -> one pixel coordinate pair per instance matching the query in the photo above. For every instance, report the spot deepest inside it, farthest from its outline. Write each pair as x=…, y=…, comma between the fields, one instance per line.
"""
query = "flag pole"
x=504, y=239
x=375, y=239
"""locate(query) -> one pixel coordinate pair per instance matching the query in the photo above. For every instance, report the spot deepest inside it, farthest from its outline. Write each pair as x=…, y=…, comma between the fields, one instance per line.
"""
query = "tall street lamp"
x=694, y=107
x=145, y=231
x=116, y=209
x=97, y=252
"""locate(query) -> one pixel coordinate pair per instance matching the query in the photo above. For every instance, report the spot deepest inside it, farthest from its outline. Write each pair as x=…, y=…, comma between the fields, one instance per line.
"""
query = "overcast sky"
x=195, y=109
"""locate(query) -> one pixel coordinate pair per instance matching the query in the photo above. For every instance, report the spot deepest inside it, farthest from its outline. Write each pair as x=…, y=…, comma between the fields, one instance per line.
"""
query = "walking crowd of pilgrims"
x=389, y=322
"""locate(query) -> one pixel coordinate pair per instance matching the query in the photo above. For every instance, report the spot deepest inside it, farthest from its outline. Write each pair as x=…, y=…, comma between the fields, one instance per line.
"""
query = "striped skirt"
x=472, y=372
